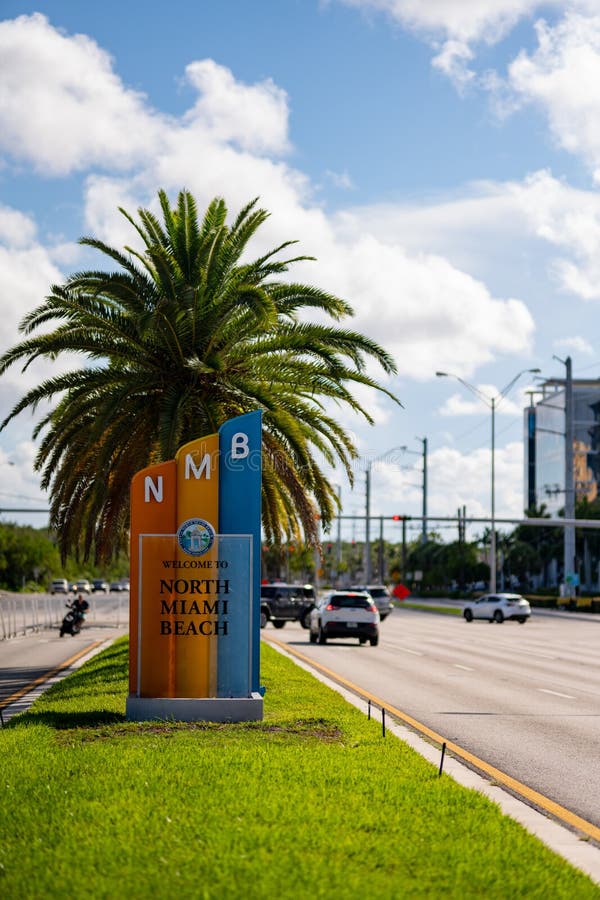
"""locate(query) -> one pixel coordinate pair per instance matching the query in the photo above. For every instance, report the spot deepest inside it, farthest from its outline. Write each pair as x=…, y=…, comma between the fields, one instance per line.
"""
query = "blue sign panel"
x=240, y=475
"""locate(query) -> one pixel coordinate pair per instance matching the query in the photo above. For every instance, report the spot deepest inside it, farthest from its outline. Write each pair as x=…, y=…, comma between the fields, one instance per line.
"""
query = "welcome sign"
x=195, y=580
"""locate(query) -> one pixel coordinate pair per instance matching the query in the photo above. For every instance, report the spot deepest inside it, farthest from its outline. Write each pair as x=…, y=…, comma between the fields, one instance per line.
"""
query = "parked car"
x=98, y=584
x=59, y=586
x=82, y=587
x=380, y=595
x=281, y=603
x=497, y=608
x=345, y=614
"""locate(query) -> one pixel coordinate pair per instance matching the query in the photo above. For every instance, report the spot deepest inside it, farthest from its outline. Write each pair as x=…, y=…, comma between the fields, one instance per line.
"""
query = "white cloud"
x=340, y=179
x=460, y=405
x=62, y=107
x=16, y=229
x=452, y=27
x=252, y=116
x=562, y=77
x=25, y=276
x=575, y=344
x=19, y=486
x=427, y=313
x=466, y=20
x=496, y=225
x=456, y=479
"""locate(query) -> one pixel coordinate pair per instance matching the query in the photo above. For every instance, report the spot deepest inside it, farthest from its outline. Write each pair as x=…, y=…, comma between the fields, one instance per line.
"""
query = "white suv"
x=497, y=608
x=345, y=614
x=59, y=586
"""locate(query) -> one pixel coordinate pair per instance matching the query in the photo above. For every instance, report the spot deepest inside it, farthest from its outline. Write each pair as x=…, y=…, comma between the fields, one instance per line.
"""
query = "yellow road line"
x=537, y=799
x=47, y=675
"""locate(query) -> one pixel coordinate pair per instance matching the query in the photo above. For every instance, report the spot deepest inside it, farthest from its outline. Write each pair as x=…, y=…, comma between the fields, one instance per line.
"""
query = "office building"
x=545, y=426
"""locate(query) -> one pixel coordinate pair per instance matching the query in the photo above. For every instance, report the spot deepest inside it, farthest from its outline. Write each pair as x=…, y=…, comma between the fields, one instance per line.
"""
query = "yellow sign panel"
x=177, y=655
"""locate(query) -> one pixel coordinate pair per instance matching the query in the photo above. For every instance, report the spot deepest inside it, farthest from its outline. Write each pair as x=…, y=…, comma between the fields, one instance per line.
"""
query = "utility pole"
x=380, y=555
x=339, y=532
x=424, y=531
x=569, y=539
x=367, y=523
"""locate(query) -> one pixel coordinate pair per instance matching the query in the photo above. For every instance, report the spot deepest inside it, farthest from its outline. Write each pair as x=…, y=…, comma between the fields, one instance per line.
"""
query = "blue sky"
x=441, y=161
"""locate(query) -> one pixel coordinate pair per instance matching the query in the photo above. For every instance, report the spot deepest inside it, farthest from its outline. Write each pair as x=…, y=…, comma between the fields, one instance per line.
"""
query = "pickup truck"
x=281, y=603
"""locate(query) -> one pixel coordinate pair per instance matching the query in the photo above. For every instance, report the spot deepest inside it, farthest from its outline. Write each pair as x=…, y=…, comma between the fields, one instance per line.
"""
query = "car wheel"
x=278, y=623
x=362, y=640
x=322, y=636
x=468, y=615
x=522, y=620
x=499, y=617
x=305, y=620
x=312, y=637
x=263, y=619
x=374, y=640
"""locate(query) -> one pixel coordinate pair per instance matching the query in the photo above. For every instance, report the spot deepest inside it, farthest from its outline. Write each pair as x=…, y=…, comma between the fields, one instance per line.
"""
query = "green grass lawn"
x=430, y=607
x=311, y=802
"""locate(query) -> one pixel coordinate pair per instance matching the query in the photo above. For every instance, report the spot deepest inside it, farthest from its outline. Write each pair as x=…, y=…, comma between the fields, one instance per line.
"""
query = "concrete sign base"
x=191, y=709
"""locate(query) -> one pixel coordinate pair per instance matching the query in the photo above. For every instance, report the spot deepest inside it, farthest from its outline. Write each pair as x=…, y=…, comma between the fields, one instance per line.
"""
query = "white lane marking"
x=556, y=694
x=466, y=668
x=414, y=652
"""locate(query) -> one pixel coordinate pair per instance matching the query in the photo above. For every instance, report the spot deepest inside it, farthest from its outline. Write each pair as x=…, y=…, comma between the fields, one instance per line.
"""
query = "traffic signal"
x=397, y=518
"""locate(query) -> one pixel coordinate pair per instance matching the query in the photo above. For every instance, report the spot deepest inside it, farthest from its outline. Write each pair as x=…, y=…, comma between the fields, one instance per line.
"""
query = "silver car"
x=498, y=608
x=381, y=596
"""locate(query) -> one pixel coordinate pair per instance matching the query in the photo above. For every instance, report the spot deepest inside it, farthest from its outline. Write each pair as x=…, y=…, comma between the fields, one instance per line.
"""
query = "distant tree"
x=26, y=554
x=180, y=337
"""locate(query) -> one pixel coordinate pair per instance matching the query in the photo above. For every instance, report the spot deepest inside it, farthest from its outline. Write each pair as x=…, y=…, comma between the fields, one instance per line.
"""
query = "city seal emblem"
x=195, y=536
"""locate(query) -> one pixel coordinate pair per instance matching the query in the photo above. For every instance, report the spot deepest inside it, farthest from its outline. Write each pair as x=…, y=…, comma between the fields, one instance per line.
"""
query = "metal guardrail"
x=22, y=614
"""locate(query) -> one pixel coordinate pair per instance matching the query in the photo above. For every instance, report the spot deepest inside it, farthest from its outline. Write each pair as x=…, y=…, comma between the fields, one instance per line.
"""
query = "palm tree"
x=183, y=335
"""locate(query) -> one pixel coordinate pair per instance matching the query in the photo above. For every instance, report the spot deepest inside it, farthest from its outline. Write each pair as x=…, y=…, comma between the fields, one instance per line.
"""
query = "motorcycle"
x=73, y=620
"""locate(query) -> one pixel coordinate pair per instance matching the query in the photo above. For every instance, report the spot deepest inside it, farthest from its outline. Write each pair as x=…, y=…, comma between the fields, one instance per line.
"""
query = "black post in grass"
x=369, y=710
x=383, y=720
x=442, y=759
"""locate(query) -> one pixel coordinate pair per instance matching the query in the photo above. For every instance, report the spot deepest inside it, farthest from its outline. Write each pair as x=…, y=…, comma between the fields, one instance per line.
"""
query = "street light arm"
x=487, y=400
x=504, y=392
x=383, y=455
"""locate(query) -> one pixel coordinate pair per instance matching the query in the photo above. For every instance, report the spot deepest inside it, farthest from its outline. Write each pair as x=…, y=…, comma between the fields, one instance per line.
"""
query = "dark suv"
x=281, y=603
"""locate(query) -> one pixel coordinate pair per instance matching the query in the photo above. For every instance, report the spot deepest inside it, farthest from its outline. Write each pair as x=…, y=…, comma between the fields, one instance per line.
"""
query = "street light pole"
x=491, y=402
x=368, y=566
x=493, y=502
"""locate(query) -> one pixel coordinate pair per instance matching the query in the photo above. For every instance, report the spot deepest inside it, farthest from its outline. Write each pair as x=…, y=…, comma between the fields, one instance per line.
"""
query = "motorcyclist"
x=71, y=624
x=81, y=606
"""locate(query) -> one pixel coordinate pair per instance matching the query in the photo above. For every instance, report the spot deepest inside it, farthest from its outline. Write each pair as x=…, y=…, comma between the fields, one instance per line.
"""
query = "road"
x=525, y=698
x=30, y=654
